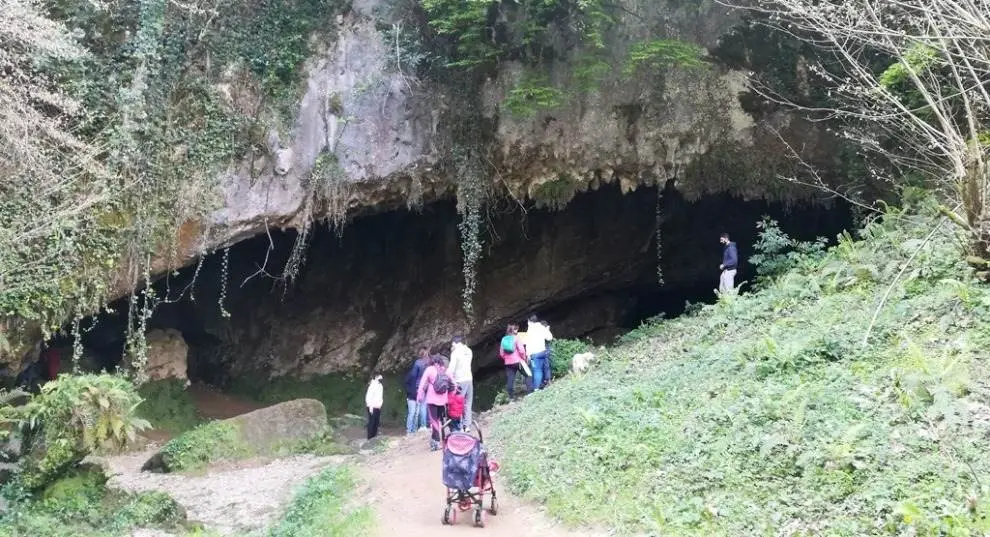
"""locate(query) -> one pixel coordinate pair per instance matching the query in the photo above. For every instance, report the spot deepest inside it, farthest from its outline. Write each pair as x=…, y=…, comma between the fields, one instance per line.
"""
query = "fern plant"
x=74, y=416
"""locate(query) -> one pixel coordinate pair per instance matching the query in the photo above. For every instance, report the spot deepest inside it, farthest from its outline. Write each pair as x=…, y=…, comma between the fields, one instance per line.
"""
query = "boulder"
x=266, y=429
x=167, y=354
x=261, y=432
x=581, y=361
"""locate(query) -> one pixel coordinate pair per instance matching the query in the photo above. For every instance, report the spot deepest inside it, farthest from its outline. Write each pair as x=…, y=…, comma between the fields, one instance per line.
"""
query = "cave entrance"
x=365, y=299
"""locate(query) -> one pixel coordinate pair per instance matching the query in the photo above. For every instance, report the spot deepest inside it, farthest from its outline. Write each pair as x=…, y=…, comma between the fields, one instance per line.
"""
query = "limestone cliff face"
x=388, y=133
x=371, y=136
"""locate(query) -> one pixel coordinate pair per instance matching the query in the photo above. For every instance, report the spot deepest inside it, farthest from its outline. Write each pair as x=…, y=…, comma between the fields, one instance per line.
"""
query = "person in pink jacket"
x=512, y=359
x=436, y=403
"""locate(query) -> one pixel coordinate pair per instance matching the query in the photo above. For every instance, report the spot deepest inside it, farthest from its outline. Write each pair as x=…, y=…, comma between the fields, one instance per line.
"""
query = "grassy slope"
x=767, y=415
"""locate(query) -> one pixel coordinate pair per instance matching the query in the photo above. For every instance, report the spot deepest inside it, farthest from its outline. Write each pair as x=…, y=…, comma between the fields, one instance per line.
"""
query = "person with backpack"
x=415, y=413
x=460, y=371
x=433, y=390
x=513, y=353
x=373, y=399
x=537, y=336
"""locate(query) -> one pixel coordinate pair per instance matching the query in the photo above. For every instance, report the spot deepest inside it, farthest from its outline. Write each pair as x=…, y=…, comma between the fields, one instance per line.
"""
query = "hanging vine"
x=224, y=276
x=154, y=134
x=470, y=202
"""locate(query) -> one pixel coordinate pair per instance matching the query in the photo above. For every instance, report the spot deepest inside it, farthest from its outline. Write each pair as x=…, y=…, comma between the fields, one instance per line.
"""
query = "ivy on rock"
x=138, y=138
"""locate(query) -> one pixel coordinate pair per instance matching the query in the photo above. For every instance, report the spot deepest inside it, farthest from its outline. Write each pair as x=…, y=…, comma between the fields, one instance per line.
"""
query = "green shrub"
x=322, y=507
x=323, y=445
x=777, y=252
x=664, y=54
x=203, y=445
x=532, y=95
x=562, y=353
x=153, y=508
x=79, y=504
x=74, y=416
x=168, y=406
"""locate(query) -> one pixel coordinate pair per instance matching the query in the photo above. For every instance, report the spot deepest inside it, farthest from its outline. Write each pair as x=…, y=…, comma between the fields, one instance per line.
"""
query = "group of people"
x=438, y=389
x=526, y=352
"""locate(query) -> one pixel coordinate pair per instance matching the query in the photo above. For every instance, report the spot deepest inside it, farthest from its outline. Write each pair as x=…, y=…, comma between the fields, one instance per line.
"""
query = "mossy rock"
x=267, y=428
x=263, y=432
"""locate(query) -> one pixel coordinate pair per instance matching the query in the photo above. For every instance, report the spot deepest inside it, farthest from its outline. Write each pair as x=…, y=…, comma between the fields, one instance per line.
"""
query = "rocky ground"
x=229, y=498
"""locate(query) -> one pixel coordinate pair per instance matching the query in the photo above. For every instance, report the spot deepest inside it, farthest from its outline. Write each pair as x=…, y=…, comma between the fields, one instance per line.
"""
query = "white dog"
x=580, y=362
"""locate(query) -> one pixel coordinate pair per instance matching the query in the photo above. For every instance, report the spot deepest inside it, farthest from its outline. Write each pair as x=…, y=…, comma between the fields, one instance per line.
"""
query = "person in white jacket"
x=373, y=399
x=460, y=371
x=537, y=336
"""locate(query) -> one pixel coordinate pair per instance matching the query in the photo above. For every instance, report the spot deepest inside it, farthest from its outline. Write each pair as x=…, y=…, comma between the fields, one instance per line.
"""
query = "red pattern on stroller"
x=467, y=474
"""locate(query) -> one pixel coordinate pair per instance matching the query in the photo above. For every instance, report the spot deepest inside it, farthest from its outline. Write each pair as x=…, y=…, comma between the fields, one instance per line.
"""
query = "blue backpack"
x=509, y=343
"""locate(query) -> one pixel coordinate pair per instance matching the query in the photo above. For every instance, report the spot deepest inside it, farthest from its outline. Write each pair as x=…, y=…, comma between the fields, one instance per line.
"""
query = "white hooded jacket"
x=460, y=363
x=537, y=335
x=375, y=394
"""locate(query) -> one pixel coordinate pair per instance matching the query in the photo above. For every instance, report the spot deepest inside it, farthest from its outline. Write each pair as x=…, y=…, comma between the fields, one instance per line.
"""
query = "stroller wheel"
x=449, y=515
x=493, y=508
x=479, y=517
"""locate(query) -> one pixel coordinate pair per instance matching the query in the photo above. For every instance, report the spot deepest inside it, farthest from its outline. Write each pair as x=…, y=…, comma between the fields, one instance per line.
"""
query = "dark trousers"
x=437, y=413
x=510, y=378
x=374, y=420
x=547, y=369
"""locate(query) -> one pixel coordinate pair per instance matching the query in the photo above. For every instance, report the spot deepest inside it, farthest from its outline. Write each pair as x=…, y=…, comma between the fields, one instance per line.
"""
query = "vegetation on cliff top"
x=844, y=398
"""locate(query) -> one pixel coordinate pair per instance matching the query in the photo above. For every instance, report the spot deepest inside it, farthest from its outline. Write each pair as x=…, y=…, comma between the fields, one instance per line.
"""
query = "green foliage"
x=143, y=81
x=562, y=352
x=589, y=71
x=323, y=507
x=483, y=32
x=79, y=504
x=777, y=253
x=206, y=444
x=324, y=444
x=664, y=54
x=921, y=61
x=74, y=416
x=789, y=410
x=555, y=194
x=918, y=58
x=168, y=406
x=532, y=95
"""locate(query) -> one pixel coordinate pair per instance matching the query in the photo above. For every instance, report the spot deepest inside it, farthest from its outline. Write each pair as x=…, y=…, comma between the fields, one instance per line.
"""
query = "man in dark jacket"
x=730, y=261
x=415, y=416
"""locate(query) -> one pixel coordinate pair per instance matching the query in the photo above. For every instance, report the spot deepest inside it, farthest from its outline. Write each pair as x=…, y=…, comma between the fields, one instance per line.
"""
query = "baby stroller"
x=467, y=474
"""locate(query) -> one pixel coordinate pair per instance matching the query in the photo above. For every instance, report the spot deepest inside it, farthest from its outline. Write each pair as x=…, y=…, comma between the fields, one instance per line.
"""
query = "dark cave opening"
x=365, y=299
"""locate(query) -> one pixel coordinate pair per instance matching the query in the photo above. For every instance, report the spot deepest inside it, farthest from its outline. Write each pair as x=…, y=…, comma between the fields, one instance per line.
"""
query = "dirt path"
x=403, y=487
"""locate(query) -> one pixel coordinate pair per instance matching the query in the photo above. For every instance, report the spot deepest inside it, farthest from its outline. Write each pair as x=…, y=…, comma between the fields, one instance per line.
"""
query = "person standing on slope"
x=512, y=352
x=537, y=336
x=730, y=261
x=373, y=400
x=460, y=371
x=432, y=392
x=415, y=413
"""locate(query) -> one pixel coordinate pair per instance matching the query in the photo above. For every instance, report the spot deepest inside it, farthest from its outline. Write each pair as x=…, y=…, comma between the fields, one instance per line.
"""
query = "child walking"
x=373, y=400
